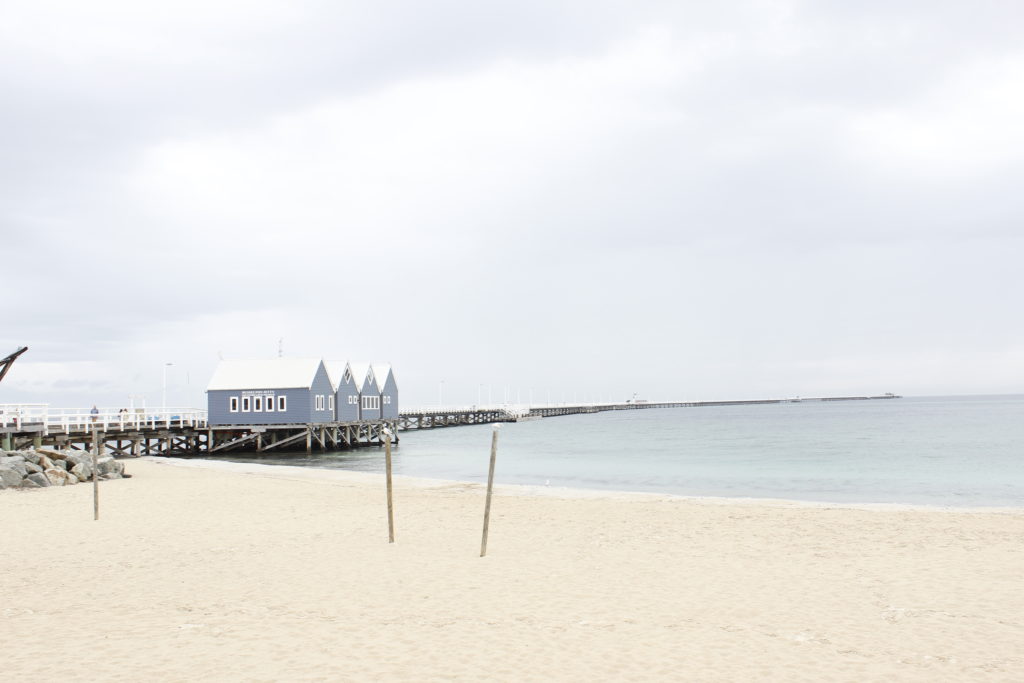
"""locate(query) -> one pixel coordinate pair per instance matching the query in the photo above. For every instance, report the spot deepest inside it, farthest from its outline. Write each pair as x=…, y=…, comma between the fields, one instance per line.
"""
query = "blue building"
x=346, y=392
x=388, y=388
x=275, y=391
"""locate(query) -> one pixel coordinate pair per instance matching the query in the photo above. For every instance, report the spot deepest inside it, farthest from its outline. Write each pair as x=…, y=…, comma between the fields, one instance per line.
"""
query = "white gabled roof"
x=335, y=370
x=275, y=373
x=359, y=371
x=381, y=372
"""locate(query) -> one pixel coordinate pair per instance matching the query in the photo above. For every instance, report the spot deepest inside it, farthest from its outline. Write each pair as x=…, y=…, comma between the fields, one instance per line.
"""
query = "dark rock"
x=83, y=471
x=38, y=478
x=32, y=467
x=10, y=478
x=15, y=463
x=108, y=465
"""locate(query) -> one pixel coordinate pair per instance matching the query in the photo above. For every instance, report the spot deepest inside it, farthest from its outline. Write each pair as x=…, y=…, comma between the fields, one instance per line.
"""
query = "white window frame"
x=268, y=404
x=371, y=402
x=257, y=404
x=282, y=404
x=246, y=404
x=330, y=402
x=233, y=404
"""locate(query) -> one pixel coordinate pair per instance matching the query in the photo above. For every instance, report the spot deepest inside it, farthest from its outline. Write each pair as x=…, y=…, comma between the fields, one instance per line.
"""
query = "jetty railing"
x=42, y=418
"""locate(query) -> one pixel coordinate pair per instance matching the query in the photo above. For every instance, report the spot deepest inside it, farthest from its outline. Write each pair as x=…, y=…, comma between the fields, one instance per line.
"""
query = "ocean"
x=961, y=451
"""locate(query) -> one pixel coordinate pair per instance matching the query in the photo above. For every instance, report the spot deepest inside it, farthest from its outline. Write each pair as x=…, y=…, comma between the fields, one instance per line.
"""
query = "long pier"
x=135, y=432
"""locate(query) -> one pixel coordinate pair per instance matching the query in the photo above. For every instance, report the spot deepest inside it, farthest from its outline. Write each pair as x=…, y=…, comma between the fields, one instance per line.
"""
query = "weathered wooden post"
x=95, y=476
x=387, y=469
x=490, y=487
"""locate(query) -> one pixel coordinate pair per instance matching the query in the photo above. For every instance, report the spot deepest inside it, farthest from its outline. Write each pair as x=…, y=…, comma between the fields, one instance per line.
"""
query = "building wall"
x=347, y=412
x=389, y=398
x=297, y=404
x=369, y=389
x=321, y=387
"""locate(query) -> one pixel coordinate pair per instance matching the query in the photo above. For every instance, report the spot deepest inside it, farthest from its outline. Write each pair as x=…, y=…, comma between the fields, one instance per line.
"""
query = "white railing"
x=105, y=419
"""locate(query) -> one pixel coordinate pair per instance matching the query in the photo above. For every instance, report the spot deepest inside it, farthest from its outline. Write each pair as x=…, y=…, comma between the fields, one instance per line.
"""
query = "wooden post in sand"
x=387, y=467
x=490, y=486
x=95, y=476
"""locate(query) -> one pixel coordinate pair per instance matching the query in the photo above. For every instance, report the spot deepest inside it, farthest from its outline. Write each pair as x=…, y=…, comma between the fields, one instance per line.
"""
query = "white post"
x=163, y=400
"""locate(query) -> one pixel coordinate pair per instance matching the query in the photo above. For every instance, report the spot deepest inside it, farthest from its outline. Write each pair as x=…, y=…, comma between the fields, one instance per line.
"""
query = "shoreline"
x=569, y=493
x=219, y=571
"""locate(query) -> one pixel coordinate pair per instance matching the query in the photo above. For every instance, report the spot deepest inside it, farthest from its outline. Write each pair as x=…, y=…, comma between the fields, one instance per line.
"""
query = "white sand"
x=255, y=573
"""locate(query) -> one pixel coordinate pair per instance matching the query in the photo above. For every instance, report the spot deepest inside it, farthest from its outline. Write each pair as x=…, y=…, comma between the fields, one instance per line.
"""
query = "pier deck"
x=186, y=431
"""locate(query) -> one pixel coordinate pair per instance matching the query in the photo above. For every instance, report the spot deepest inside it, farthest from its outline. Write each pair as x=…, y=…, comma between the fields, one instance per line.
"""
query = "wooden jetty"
x=174, y=432
x=429, y=418
x=186, y=432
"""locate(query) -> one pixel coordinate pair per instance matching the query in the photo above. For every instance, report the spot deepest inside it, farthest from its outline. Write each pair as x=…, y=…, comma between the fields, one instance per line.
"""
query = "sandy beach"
x=245, y=572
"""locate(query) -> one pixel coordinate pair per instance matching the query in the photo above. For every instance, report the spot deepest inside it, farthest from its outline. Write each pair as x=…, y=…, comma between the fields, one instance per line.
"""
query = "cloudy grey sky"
x=570, y=199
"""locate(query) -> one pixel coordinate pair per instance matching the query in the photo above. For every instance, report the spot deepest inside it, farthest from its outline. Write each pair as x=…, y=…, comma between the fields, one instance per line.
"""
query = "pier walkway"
x=185, y=431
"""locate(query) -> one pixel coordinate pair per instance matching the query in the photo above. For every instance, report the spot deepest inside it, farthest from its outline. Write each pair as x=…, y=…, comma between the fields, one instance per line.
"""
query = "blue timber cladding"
x=389, y=397
x=369, y=395
x=347, y=400
x=297, y=407
x=321, y=390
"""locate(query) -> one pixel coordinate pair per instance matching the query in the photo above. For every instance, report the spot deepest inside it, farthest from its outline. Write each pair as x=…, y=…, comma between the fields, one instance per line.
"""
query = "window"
x=330, y=402
x=233, y=404
x=281, y=405
x=371, y=402
x=318, y=403
x=245, y=404
x=257, y=404
x=269, y=404
x=348, y=376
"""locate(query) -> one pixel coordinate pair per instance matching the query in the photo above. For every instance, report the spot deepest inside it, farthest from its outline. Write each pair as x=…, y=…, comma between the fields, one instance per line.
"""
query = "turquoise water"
x=952, y=451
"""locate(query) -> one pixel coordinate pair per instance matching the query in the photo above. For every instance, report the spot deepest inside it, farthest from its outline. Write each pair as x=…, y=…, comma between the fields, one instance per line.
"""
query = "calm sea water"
x=951, y=451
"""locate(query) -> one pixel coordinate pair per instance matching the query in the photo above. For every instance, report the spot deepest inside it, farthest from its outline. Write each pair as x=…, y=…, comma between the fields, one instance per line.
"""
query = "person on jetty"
x=95, y=412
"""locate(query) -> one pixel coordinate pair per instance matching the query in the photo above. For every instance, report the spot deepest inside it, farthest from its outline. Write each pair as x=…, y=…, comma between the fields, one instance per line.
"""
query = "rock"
x=61, y=464
x=73, y=459
x=32, y=467
x=45, y=463
x=57, y=477
x=72, y=479
x=82, y=471
x=108, y=465
x=30, y=456
x=10, y=478
x=38, y=478
x=15, y=463
x=52, y=454
x=112, y=475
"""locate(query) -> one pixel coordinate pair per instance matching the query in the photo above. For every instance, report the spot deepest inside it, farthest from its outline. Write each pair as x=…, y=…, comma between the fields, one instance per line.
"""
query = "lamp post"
x=163, y=399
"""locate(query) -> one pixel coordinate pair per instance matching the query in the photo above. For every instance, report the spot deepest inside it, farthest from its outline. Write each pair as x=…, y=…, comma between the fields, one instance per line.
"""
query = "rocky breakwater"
x=42, y=468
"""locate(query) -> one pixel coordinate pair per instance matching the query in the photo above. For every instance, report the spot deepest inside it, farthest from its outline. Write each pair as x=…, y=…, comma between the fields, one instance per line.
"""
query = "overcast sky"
x=683, y=200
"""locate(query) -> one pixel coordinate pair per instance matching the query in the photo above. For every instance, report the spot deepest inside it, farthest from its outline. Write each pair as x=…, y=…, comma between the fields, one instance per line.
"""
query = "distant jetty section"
x=429, y=418
x=188, y=432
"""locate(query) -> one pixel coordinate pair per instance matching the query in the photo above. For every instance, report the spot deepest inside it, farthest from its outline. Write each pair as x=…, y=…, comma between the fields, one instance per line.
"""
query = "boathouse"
x=388, y=391
x=345, y=391
x=369, y=392
x=274, y=391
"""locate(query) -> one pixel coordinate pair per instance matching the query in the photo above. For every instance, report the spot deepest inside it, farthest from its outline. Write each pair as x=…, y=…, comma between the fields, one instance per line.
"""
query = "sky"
x=556, y=200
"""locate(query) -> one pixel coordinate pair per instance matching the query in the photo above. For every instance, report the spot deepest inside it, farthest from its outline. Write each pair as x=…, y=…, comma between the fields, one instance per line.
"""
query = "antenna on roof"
x=280, y=347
